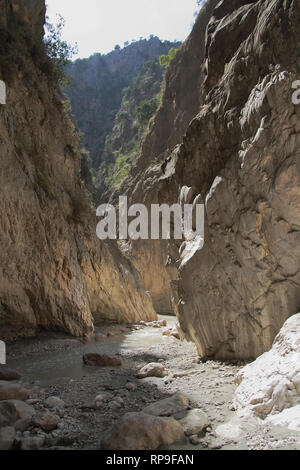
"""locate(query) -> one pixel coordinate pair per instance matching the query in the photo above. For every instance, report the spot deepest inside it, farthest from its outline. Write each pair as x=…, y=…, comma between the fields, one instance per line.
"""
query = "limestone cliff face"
x=55, y=273
x=182, y=97
x=181, y=103
x=241, y=154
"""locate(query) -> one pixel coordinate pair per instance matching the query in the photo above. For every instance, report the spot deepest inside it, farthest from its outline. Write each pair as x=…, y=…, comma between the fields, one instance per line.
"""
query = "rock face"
x=272, y=383
x=180, y=104
x=240, y=153
x=55, y=273
x=139, y=431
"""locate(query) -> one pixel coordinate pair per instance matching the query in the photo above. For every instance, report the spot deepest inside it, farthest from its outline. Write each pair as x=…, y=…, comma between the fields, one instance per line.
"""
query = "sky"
x=98, y=25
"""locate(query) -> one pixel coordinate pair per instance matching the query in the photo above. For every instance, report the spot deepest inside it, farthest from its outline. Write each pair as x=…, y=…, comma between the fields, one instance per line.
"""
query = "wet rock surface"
x=101, y=360
x=9, y=375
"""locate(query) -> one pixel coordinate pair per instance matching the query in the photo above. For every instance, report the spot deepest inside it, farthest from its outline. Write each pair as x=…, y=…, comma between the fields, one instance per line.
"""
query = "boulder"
x=153, y=369
x=46, y=421
x=54, y=402
x=140, y=431
x=11, y=411
x=289, y=418
x=7, y=438
x=272, y=383
x=8, y=375
x=32, y=442
x=9, y=391
x=8, y=414
x=193, y=422
x=101, y=400
x=168, y=406
x=101, y=360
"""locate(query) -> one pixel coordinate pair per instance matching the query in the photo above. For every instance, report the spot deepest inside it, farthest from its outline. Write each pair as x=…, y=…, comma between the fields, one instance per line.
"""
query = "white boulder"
x=271, y=384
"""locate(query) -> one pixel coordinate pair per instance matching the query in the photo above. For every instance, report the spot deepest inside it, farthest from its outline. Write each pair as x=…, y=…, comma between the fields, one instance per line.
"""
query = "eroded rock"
x=272, y=382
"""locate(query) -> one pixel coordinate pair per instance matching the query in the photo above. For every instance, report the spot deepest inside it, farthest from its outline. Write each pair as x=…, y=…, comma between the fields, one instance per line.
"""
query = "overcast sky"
x=98, y=25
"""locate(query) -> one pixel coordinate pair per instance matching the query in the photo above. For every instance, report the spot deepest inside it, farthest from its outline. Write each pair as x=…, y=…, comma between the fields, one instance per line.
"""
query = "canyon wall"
x=240, y=156
x=55, y=273
x=180, y=104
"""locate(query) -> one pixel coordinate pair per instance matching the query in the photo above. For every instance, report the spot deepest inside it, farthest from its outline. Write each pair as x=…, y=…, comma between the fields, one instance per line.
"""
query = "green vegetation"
x=23, y=52
x=58, y=51
x=123, y=145
x=146, y=110
x=105, y=93
x=18, y=50
x=118, y=171
x=166, y=59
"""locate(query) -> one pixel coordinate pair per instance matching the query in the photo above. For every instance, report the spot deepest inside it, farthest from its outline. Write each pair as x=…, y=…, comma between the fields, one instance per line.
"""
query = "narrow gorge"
x=146, y=344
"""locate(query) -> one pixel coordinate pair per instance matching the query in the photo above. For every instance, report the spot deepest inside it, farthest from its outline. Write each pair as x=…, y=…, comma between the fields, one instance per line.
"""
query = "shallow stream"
x=50, y=358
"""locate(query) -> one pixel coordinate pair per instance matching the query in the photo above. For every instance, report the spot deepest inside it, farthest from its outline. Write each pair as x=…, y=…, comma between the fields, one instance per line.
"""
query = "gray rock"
x=32, y=443
x=12, y=411
x=168, y=406
x=7, y=437
x=54, y=402
x=195, y=440
x=22, y=424
x=152, y=370
x=193, y=421
x=131, y=387
x=46, y=421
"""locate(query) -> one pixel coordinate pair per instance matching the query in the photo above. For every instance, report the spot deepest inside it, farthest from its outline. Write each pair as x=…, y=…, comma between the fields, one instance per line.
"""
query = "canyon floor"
x=52, y=363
